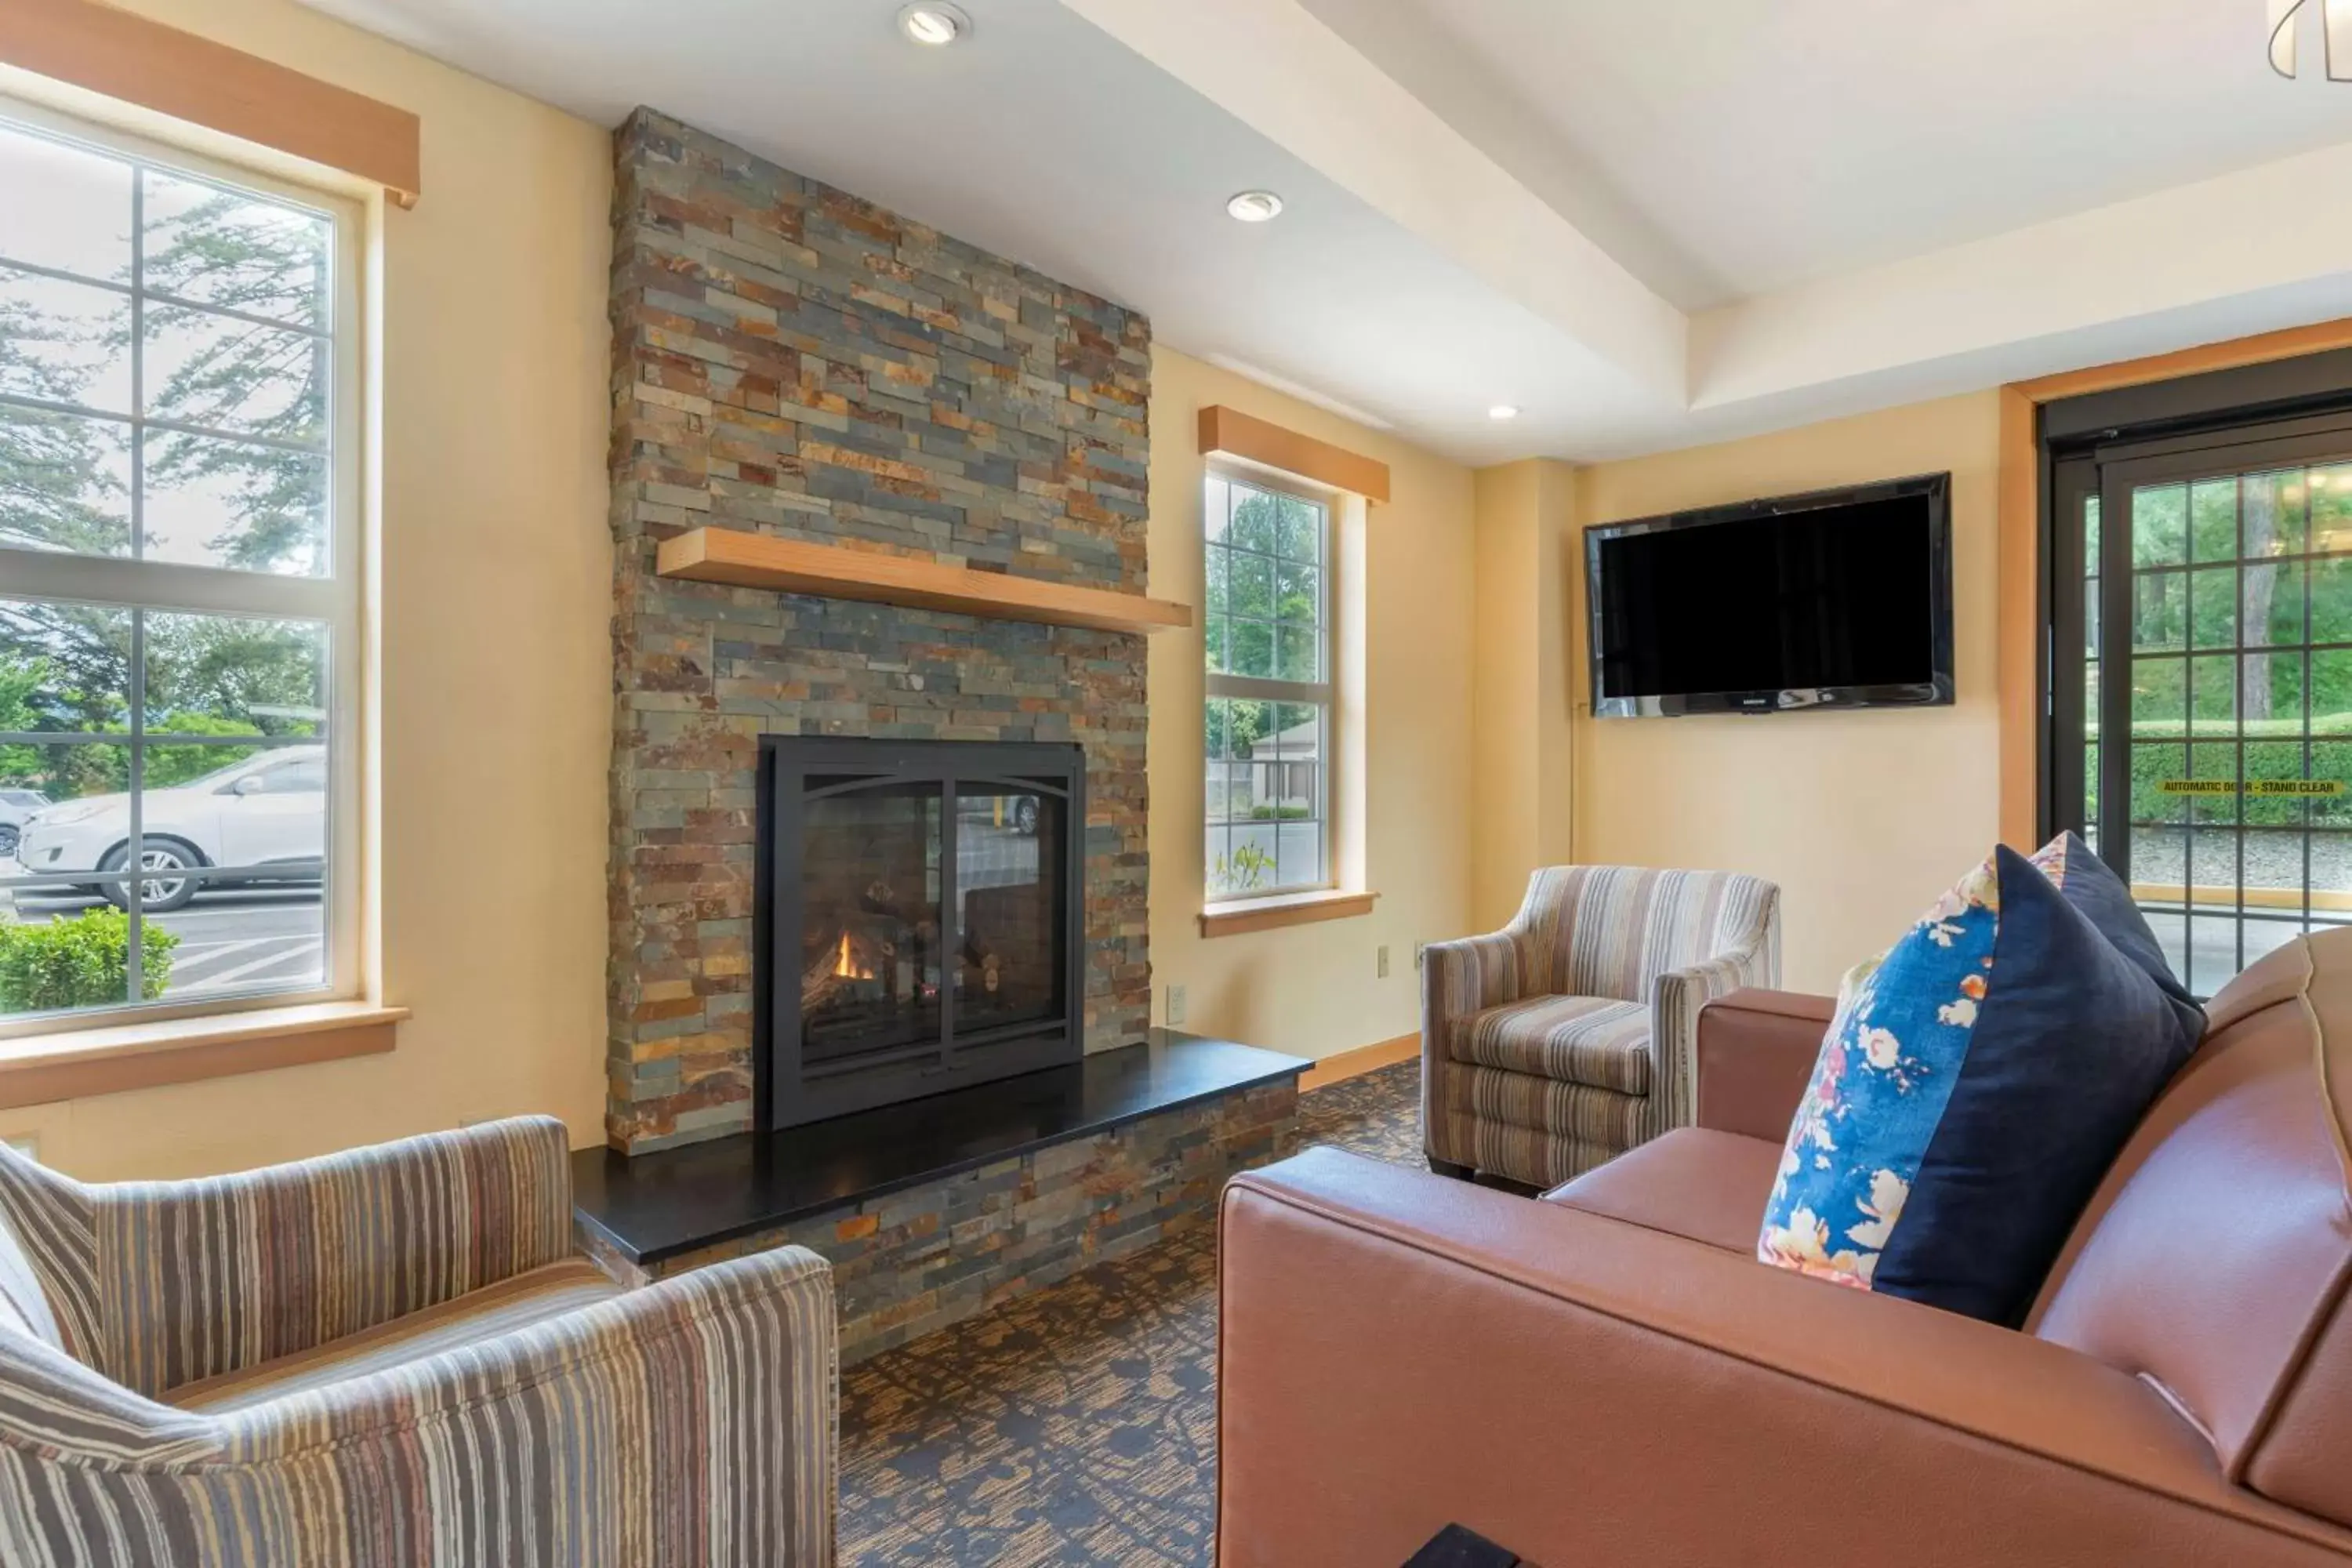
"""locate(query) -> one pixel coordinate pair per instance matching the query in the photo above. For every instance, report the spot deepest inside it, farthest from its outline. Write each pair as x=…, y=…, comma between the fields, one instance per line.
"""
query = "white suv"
x=16, y=805
x=260, y=820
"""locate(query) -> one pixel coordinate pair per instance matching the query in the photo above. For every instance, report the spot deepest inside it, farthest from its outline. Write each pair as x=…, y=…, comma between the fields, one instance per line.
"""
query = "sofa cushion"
x=1973, y=1088
x=1700, y=1185
x=532, y=1297
x=1570, y=1040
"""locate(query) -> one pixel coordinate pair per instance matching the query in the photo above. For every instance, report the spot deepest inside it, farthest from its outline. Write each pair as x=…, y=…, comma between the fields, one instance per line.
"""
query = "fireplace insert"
x=919, y=922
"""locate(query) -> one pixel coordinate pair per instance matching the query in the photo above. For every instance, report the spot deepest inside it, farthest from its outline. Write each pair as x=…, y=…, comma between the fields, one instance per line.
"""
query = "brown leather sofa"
x=1607, y=1377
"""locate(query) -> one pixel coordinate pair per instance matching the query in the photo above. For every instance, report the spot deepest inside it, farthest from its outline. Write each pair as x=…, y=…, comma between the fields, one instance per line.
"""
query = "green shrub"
x=82, y=962
x=2274, y=751
x=1278, y=813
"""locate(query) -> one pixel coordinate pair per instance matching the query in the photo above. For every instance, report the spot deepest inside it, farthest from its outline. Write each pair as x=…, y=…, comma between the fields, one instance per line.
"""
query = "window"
x=179, y=583
x=1268, y=631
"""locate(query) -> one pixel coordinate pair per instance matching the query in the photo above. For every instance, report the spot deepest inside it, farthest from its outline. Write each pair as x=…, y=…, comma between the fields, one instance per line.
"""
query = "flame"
x=844, y=967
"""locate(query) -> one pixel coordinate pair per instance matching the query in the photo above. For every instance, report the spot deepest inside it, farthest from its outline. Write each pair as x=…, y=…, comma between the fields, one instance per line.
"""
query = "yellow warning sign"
x=2254, y=786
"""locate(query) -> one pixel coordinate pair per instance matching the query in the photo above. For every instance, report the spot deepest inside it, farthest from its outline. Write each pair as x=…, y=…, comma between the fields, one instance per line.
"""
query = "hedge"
x=2208, y=750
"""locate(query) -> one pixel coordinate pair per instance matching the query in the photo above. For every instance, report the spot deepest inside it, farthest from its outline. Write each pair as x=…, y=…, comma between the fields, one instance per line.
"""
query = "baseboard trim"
x=1345, y=1065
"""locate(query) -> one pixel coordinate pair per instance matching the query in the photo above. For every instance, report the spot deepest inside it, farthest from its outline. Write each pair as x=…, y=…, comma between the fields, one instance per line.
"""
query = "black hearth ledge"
x=659, y=1205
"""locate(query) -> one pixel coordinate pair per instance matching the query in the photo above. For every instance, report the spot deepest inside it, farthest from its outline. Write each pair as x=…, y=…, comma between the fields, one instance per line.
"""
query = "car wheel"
x=8, y=841
x=1025, y=814
x=160, y=892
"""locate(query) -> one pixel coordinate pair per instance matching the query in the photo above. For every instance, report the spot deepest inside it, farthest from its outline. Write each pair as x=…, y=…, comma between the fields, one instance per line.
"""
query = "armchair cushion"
x=1972, y=1089
x=533, y=1297
x=1592, y=1040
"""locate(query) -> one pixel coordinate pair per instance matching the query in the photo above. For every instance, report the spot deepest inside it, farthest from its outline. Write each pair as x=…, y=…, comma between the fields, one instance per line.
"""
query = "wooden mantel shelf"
x=744, y=560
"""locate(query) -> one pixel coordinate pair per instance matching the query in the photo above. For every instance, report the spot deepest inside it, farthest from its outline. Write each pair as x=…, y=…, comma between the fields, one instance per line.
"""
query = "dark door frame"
x=2022, y=512
x=2191, y=425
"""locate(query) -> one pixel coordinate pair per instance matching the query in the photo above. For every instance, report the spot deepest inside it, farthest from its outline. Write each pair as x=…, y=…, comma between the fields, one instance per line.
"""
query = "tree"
x=66, y=485
x=2262, y=525
x=1265, y=601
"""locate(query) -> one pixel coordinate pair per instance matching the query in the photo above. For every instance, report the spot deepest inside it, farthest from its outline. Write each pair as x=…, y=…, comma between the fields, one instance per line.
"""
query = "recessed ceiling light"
x=1255, y=206
x=1503, y=411
x=933, y=24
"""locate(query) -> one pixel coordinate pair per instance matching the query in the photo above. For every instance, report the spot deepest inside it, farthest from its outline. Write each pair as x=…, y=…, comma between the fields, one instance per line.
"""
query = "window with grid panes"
x=1269, y=711
x=179, y=581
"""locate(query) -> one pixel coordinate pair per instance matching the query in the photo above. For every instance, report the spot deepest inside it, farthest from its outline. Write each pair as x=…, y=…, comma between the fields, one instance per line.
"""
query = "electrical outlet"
x=1385, y=961
x=1175, y=1006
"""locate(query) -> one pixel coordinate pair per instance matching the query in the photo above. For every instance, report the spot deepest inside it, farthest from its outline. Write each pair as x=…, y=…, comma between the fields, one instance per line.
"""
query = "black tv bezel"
x=1938, y=691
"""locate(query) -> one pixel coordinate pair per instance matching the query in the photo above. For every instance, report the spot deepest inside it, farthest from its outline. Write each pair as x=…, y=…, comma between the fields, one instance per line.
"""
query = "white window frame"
x=1322, y=695
x=335, y=601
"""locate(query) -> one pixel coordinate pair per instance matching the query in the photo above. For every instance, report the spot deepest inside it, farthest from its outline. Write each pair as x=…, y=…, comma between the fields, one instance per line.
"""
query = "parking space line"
x=227, y=976
x=191, y=954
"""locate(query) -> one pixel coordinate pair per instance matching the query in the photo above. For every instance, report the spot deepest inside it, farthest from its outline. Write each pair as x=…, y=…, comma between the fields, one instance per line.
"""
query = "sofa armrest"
x=205, y=1276
x=1408, y=1352
x=1756, y=1055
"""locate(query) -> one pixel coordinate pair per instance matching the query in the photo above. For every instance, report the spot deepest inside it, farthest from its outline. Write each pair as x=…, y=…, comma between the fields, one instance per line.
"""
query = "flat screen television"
x=1835, y=599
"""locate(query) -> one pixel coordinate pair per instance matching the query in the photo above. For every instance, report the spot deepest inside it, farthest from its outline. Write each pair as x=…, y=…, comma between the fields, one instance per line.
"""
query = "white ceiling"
x=1768, y=143
x=1645, y=223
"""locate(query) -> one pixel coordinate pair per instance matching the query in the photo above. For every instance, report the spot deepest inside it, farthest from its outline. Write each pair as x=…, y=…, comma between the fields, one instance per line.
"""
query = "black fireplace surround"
x=920, y=920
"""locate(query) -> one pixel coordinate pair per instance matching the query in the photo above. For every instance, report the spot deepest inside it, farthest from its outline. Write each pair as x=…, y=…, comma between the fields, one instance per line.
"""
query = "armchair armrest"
x=1756, y=1055
x=1471, y=973
x=1676, y=999
x=205, y=1276
x=691, y=1421
x=1459, y=978
x=1410, y=1352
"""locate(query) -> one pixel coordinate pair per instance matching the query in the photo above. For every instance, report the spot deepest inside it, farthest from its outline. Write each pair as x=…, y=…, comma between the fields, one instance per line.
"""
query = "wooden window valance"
x=125, y=57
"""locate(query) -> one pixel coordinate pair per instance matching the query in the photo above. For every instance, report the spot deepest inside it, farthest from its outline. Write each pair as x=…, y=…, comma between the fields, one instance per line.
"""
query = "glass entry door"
x=2214, y=688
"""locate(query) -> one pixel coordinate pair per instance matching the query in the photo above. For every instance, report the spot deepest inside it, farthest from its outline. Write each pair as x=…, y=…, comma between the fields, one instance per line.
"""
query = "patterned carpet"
x=1078, y=1424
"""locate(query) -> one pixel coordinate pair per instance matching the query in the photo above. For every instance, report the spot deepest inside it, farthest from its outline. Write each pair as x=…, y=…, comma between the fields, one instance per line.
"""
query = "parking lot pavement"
x=232, y=938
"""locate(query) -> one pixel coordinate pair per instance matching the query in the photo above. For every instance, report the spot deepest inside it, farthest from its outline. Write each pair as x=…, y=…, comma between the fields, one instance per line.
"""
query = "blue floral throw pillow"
x=1978, y=1081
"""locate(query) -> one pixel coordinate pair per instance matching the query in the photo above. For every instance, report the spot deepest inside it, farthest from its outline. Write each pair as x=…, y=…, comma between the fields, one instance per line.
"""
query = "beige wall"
x=494, y=674
x=1522, y=789
x=495, y=587
x=1861, y=817
x=495, y=669
x=1313, y=990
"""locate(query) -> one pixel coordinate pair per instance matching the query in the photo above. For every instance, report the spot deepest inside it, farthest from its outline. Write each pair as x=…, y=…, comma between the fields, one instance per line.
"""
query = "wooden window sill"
x=39, y=1069
x=1245, y=915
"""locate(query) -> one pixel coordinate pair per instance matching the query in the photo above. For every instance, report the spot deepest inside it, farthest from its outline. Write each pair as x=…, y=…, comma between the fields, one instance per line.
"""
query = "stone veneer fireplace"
x=790, y=360
x=878, y=980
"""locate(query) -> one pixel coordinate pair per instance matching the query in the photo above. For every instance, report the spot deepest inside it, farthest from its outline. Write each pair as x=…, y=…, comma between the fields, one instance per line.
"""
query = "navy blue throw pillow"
x=1974, y=1088
x=2093, y=888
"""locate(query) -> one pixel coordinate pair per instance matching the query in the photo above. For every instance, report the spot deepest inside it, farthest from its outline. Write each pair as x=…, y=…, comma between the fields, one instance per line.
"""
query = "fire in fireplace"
x=920, y=919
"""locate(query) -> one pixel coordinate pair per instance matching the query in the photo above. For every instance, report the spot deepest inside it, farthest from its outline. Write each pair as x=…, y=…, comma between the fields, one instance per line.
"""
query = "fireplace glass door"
x=918, y=919
x=1008, y=884
x=871, y=948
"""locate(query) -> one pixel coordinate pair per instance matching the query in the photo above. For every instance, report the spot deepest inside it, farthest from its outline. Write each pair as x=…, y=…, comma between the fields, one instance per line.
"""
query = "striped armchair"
x=393, y=1357
x=1569, y=1036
